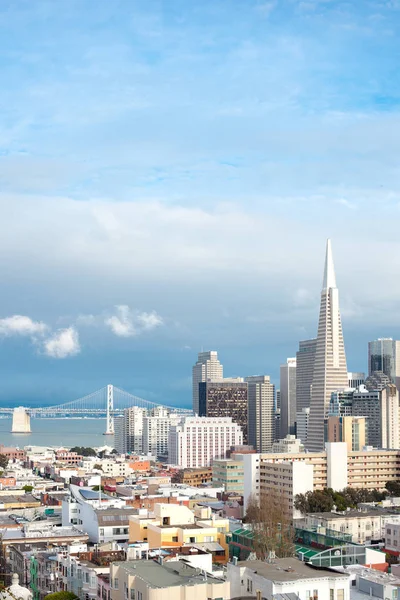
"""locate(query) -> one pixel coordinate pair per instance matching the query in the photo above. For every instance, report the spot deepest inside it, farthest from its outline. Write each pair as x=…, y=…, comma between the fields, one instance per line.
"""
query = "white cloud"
x=63, y=343
x=149, y=321
x=128, y=323
x=122, y=323
x=21, y=325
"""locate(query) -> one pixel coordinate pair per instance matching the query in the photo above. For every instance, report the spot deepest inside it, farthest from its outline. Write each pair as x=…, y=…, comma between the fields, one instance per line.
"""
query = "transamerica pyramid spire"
x=330, y=369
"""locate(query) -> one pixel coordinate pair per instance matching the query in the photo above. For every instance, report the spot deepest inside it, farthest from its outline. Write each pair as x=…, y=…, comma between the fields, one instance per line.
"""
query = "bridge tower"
x=21, y=422
x=110, y=408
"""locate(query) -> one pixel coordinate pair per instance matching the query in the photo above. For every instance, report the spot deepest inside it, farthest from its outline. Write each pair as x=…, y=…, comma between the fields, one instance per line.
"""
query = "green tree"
x=27, y=488
x=83, y=451
x=98, y=467
x=393, y=487
x=3, y=461
x=61, y=596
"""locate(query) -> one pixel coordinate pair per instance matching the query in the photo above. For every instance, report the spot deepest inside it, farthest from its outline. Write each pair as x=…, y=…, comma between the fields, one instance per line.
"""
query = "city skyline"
x=169, y=174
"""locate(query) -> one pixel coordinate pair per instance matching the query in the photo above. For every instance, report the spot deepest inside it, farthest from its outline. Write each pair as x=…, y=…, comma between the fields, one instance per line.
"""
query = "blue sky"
x=169, y=173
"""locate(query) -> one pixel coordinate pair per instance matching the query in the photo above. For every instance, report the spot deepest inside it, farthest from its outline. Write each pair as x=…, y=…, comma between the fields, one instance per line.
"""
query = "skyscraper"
x=304, y=373
x=288, y=397
x=261, y=414
x=129, y=430
x=330, y=369
x=384, y=355
x=207, y=368
x=224, y=399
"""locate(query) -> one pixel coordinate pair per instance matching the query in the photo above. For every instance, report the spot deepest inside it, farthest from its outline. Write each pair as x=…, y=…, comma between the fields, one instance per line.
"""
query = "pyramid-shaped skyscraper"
x=330, y=369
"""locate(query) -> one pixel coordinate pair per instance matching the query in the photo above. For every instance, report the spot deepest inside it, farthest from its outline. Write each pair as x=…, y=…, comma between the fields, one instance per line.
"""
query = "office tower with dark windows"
x=304, y=373
x=225, y=399
x=261, y=413
x=207, y=368
x=384, y=355
x=288, y=397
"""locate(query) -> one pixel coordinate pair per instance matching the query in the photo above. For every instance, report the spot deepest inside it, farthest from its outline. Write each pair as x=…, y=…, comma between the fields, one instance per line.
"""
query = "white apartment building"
x=363, y=525
x=207, y=368
x=286, y=578
x=392, y=536
x=289, y=444
x=156, y=428
x=196, y=441
x=128, y=428
x=115, y=468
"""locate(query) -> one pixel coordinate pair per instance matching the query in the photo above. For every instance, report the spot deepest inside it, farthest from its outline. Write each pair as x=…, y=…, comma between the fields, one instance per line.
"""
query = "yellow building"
x=172, y=525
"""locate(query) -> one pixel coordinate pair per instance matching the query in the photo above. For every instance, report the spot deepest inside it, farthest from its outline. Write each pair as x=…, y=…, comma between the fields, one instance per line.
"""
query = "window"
x=192, y=540
x=115, y=583
x=331, y=594
x=133, y=594
x=315, y=594
x=340, y=595
x=174, y=538
x=250, y=586
x=101, y=532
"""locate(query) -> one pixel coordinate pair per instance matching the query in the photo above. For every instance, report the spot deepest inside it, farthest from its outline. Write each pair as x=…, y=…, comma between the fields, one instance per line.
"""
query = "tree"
x=98, y=467
x=27, y=488
x=83, y=451
x=61, y=596
x=271, y=526
x=3, y=461
x=393, y=487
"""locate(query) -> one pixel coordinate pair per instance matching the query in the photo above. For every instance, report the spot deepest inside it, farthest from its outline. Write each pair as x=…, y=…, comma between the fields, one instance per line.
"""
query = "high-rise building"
x=195, y=441
x=128, y=437
x=354, y=380
x=381, y=409
x=207, y=368
x=304, y=373
x=350, y=430
x=330, y=369
x=224, y=399
x=341, y=403
x=260, y=393
x=288, y=397
x=377, y=381
x=156, y=428
x=302, y=419
x=384, y=355
x=277, y=424
x=278, y=399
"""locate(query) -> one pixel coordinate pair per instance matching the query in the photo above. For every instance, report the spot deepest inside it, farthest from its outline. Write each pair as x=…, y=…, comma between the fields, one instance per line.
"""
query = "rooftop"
x=55, y=532
x=354, y=513
x=289, y=569
x=169, y=574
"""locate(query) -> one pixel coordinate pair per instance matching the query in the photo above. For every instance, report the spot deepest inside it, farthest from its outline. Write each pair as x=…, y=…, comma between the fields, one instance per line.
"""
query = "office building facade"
x=330, y=369
x=207, y=368
x=354, y=380
x=261, y=419
x=384, y=355
x=302, y=419
x=305, y=357
x=288, y=397
x=350, y=430
x=225, y=399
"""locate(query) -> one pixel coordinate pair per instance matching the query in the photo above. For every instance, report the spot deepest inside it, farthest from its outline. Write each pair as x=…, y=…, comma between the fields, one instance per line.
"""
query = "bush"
x=61, y=596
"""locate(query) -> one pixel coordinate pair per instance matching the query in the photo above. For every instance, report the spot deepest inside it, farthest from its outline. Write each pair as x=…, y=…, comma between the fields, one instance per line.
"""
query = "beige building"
x=261, y=424
x=350, y=430
x=152, y=580
x=335, y=467
x=229, y=474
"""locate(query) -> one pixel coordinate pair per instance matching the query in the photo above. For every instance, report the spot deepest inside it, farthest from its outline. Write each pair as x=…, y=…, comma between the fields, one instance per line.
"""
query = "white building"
x=355, y=379
x=289, y=444
x=207, y=368
x=330, y=369
x=392, y=537
x=286, y=578
x=302, y=418
x=196, y=441
x=288, y=397
x=156, y=428
x=128, y=428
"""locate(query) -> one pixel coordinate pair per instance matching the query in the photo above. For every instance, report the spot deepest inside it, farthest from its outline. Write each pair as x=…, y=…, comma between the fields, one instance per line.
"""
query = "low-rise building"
x=289, y=444
x=286, y=578
x=171, y=525
x=194, y=477
x=364, y=526
x=158, y=580
x=229, y=473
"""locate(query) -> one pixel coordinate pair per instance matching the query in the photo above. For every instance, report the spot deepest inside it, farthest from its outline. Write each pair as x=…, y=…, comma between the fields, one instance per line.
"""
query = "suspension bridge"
x=108, y=402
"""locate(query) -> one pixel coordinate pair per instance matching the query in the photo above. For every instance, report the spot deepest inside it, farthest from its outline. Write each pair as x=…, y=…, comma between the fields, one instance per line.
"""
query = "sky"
x=169, y=174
